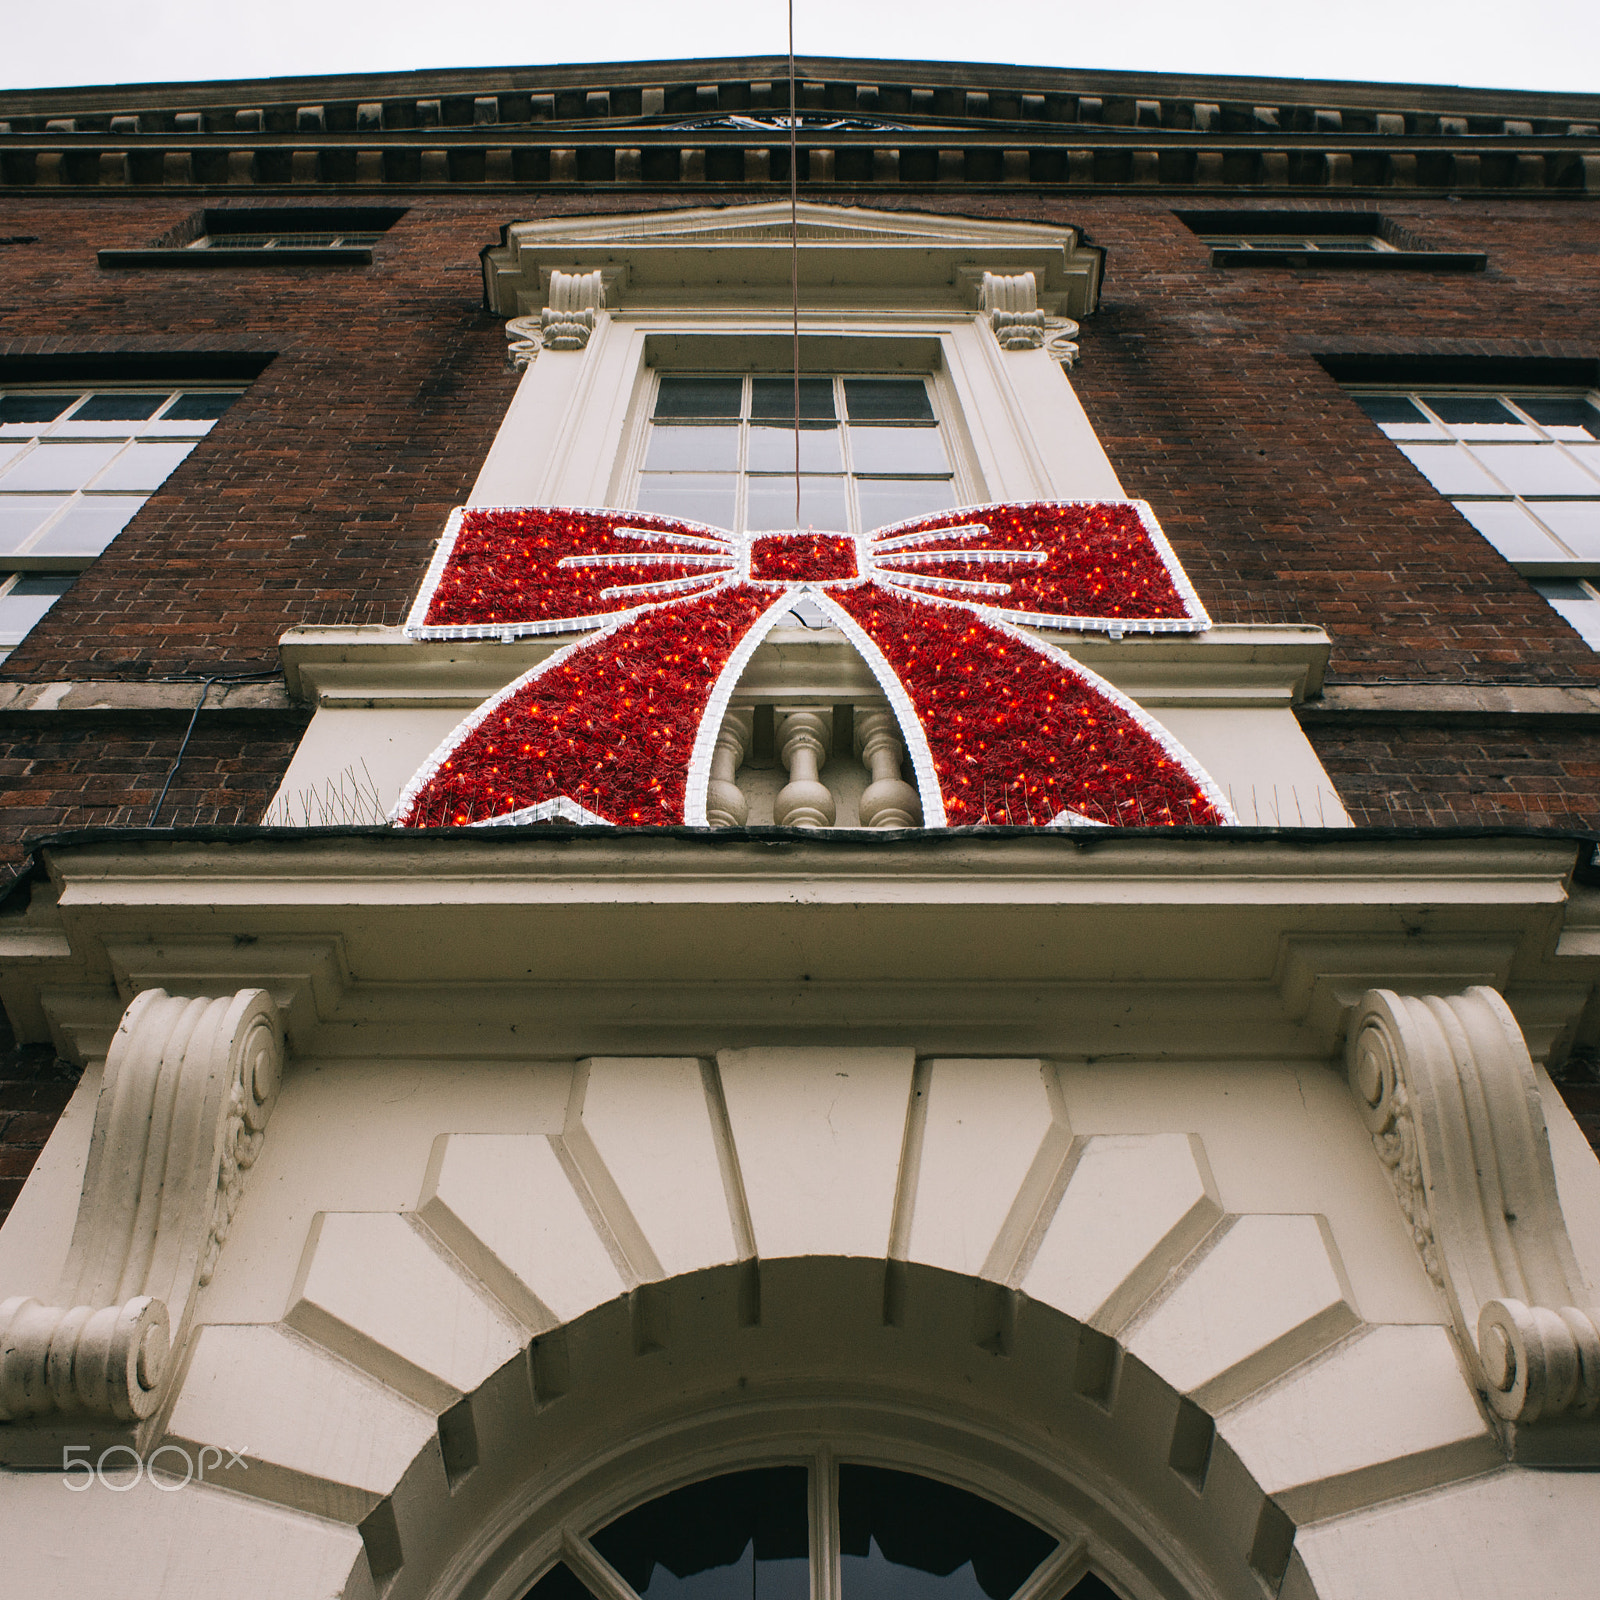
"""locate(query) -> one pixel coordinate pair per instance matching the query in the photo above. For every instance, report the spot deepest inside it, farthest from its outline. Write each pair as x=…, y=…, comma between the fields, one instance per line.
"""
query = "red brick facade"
x=378, y=388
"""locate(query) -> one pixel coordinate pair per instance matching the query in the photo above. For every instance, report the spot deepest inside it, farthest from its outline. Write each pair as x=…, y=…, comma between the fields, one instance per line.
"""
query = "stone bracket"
x=1448, y=1091
x=189, y=1085
x=566, y=321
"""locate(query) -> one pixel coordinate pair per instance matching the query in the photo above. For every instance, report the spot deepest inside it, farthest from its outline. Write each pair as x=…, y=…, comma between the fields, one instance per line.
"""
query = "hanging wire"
x=794, y=257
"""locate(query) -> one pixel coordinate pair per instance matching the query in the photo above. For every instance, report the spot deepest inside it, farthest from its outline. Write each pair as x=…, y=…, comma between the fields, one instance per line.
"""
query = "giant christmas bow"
x=619, y=727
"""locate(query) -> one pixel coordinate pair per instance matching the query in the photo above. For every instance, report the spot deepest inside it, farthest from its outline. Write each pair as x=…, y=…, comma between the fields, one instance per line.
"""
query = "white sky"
x=1520, y=44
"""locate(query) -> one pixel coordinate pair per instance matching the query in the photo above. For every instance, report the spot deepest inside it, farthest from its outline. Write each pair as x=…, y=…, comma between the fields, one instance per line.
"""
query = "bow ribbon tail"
x=604, y=731
x=1017, y=732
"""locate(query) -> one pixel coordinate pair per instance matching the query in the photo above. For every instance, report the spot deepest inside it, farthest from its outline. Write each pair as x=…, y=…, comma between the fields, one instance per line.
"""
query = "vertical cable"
x=794, y=258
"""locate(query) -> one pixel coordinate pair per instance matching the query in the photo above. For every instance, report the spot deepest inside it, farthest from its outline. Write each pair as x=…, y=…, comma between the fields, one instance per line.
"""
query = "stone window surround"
x=707, y=290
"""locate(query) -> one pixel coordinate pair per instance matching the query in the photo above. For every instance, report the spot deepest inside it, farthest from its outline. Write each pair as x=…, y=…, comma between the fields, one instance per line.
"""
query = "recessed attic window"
x=1359, y=239
x=266, y=236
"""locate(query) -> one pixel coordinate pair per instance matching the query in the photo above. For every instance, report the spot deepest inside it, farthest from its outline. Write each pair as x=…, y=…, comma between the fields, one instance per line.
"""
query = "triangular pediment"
x=733, y=254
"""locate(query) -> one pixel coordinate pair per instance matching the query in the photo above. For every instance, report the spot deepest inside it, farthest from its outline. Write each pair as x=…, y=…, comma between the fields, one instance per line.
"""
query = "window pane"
x=198, y=407
x=559, y=1583
x=57, y=466
x=704, y=449
x=772, y=450
x=28, y=599
x=1389, y=408
x=887, y=400
x=34, y=407
x=823, y=504
x=20, y=515
x=772, y=399
x=743, y=1536
x=1575, y=523
x=1566, y=419
x=1510, y=530
x=1450, y=469
x=9, y=449
x=118, y=407
x=898, y=450
x=89, y=525
x=142, y=466
x=698, y=397
x=698, y=496
x=1536, y=469
x=886, y=500
x=1577, y=605
x=1476, y=416
x=909, y=1538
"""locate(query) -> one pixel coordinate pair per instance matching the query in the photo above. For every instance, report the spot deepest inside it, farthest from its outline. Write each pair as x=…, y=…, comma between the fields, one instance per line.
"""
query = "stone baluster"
x=804, y=801
x=726, y=806
x=888, y=801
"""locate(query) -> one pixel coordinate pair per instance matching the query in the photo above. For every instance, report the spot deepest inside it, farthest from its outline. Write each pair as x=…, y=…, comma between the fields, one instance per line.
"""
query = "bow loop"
x=619, y=726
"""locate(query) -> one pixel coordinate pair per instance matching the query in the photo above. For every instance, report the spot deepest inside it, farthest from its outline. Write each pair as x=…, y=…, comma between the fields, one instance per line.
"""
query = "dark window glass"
x=1561, y=589
x=910, y=1538
x=772, y=399
x=1564, y=414
x=1089, y=1587
x=559, y=1583
x=1469, y=408
x=198, y=407
x=117, y=407
x=34, y=407
x=1389, y=408
x=743, y=1536
x=699, y=397
x=887, y=400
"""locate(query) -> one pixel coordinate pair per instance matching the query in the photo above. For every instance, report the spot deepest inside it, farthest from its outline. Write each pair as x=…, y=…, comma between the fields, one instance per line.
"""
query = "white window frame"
x=1562, y=561
x=1014, y=428
x=29, y=560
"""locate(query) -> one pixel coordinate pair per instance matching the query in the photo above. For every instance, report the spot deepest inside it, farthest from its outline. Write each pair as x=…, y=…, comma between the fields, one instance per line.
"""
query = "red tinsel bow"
x=619, y=727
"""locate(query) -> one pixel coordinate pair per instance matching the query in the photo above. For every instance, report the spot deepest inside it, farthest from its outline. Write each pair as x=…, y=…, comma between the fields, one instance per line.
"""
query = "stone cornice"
x=711, y=126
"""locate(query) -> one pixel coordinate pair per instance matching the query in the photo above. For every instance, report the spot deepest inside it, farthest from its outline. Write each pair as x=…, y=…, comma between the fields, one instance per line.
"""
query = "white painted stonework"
x=1137, y=1268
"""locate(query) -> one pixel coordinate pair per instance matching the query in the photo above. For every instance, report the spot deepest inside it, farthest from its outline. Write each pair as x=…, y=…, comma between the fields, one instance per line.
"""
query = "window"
x=75, y=465
x=1523, y=467
x=332, y=240
x=721, y=449
x=1347, y=238
x=747, y=1536
x=1296, y=241
x=266, y=235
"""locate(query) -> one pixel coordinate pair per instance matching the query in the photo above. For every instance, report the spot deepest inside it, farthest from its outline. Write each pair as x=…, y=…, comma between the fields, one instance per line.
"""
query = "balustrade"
x=815, y=773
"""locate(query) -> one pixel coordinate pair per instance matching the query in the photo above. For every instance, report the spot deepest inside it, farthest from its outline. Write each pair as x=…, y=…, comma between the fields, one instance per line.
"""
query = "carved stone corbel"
x=566, y=321
x=183, y=1108
x=1448, y=1091
x=1012, y=304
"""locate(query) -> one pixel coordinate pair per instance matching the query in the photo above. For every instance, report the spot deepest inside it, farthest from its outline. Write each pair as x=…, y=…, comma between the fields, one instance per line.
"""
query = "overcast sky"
x=1521, y=44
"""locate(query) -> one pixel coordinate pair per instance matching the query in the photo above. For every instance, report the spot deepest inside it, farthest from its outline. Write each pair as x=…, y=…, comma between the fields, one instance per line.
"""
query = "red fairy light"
x=611, y=725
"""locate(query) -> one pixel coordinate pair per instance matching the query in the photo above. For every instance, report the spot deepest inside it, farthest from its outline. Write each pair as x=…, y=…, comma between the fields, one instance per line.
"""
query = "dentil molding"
x=1449, y=1094
x=189, y=1085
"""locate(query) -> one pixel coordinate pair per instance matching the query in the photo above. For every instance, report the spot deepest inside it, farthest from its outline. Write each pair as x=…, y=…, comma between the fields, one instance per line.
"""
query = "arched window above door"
x=874, y=1532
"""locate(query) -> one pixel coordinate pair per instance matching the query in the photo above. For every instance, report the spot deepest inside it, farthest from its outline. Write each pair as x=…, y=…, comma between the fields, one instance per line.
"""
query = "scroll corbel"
x=189, y=1085
x=1448, y=1092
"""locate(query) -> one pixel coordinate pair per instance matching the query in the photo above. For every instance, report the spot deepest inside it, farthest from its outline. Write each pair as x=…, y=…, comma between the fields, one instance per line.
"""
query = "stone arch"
x=921, y=1256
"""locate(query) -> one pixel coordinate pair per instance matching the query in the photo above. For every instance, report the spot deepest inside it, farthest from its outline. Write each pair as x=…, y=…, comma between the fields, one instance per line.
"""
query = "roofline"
x=465, y=80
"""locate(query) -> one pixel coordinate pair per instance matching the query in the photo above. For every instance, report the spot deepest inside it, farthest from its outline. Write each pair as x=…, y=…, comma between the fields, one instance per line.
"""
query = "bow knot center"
x=803, y=558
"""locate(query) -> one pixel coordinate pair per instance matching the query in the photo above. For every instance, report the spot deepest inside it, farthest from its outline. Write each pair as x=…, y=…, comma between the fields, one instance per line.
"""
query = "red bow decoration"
x=619, y=727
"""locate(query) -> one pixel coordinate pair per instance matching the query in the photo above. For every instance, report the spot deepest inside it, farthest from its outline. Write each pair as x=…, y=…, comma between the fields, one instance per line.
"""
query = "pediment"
x=739, y=255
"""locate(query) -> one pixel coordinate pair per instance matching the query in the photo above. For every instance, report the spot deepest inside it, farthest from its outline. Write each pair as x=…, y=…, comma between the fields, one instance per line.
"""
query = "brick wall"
x=78, y=770
x=319, y=496
x=34, y=1090
x=1462, y=774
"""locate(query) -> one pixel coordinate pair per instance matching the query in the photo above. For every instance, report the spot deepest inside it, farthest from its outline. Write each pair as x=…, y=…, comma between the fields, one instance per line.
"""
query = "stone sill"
x=1358, y=260
x=337, y=256
x=1268, y=665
